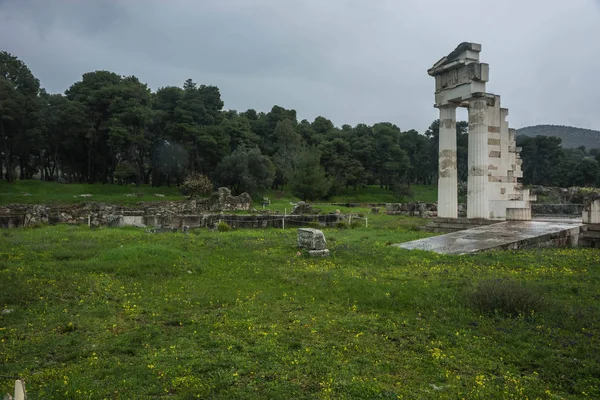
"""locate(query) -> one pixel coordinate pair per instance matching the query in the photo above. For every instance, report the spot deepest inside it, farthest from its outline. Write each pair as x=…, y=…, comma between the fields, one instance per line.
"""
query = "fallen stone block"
x=318, y=253
x=312, y=239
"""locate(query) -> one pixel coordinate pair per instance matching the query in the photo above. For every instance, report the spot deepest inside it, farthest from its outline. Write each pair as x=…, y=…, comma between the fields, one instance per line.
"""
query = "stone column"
x=447, y=175
x=477, y=185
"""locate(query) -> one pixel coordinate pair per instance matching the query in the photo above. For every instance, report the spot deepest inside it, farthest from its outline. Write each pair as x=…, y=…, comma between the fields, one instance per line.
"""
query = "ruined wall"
x=96, y=214
x=426, y=210
x=222, y=200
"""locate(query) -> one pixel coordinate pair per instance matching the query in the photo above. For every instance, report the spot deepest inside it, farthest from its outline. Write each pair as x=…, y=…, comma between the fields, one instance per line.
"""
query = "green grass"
x=374, y=194
x=369, y=195
x=36, y=192
x=124, y=314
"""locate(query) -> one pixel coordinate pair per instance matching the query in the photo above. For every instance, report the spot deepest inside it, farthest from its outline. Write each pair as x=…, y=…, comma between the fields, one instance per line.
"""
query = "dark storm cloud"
x=349, y=60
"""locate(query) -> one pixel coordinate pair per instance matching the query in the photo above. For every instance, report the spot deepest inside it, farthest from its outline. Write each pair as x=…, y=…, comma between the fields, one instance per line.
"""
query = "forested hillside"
x=571, y=137
x=113, y=129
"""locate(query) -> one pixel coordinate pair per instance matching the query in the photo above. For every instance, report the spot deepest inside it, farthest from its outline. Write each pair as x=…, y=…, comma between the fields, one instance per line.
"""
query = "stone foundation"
x=426, y=210
x=174, y=215
x=222, y=200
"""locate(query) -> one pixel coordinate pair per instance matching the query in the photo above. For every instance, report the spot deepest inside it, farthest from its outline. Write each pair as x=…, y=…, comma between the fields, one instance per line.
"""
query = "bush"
x=314, y=224
x=401, y=191
x=356, y=224
x=342, y=225
x=506, y=297
x=223, y=227
x=195, y=184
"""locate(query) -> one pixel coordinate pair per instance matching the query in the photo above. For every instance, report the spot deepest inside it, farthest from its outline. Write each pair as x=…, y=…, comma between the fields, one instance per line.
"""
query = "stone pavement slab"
x=503, y=235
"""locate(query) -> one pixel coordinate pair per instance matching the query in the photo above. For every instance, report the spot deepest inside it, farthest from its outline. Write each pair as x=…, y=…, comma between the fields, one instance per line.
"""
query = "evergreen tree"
x=309, y=181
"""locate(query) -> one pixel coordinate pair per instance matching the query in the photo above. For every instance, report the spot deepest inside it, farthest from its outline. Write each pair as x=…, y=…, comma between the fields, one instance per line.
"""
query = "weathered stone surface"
x=318, y=253
x=302, y=208
x=426, y=210
x=312, y=239
x=504, y=235
x=222, y=200
x=591, y=211
x=557, y=209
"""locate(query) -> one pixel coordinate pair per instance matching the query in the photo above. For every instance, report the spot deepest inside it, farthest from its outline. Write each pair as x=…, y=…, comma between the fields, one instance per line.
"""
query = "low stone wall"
x=426, y=210
x=352, y=205
x=571, y=195
x=12, y=220
x=176, y=215
x=556, y=209
x=242, y=221
x=222, y=200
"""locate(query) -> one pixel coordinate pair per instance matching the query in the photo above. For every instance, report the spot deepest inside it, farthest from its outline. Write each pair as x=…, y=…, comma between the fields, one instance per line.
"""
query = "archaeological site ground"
x=124, y=313
x=440, y=290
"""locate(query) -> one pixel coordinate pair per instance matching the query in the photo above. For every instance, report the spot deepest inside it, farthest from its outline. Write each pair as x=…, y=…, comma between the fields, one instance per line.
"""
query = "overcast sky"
x=352, y=61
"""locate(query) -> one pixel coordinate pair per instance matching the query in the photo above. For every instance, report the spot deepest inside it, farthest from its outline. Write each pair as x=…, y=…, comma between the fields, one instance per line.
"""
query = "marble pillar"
x=477, y=184
x=447, y=177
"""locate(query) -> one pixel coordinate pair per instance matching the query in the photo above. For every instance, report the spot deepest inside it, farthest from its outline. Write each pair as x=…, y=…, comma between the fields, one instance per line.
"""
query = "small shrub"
x=196, y=184
x=314, y=224
x=401, y=191
x=506, y=297
x=356, y=224
x=342, y=225
x=223, y=227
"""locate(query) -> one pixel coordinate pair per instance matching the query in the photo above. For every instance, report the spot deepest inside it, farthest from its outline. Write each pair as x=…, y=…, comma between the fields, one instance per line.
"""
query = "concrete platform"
x=502, y=235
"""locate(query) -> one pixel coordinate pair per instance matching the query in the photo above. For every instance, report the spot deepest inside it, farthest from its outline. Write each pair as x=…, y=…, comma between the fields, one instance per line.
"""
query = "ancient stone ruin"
x=302, y=208
x=313, y=240
x=591, y=218
x=494, y=165
x=222, y=200
x=498, y=207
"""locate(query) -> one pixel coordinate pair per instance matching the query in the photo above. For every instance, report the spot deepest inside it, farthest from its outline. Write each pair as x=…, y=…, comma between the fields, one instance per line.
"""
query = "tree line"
x=113, y=129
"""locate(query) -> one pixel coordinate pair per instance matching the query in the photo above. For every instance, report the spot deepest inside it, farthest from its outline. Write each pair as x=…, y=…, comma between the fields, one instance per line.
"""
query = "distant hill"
x=571, y=137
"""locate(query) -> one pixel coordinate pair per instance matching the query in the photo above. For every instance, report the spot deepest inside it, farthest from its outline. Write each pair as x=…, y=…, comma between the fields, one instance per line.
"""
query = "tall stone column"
x=477, y=185
x=447, y=175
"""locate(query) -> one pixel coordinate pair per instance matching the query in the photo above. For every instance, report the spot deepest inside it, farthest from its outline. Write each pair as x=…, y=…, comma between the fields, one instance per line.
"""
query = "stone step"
x=471, y=221
x=592, y=227
x=506, y=235
x=518, y=214
x=438, y=230
x=593, y=243
x=589, y=234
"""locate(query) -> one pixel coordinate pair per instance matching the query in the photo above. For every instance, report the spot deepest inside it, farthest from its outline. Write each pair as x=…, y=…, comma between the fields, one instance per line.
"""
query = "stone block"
x=591, y=212
x=312, y=239
x=302, y=208
x=318, y=253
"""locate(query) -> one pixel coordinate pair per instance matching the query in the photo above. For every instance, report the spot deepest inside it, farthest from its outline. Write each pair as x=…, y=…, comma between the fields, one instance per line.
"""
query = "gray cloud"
x=349, y=60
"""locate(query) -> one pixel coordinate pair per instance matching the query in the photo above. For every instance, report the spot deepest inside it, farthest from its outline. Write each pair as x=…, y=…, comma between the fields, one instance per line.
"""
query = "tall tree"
x=309, y=181
x=288, y=144
x=542, y=157
x=96, y=92
x=18, y=107
x=129, y=134
x=245, y=170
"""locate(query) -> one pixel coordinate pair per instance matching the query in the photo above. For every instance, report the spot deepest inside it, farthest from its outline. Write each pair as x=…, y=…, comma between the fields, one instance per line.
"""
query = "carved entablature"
x=462, y=75
x=459, y=75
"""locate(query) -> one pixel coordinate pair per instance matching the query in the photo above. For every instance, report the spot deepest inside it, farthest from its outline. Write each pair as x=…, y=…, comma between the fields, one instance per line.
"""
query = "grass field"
x=124, y=314
x=35, y=192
